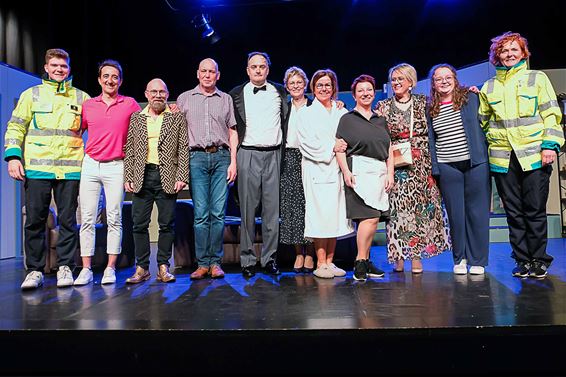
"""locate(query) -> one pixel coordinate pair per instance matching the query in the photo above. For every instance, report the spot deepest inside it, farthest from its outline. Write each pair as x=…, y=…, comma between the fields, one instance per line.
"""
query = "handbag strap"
x=411, y=126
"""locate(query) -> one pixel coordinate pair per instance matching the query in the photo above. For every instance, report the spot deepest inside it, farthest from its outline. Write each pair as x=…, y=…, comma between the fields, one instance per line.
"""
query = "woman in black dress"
x=367, y=171
x=292, y=209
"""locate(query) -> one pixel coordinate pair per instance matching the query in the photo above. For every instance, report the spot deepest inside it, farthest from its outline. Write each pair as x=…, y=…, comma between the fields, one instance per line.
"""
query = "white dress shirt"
x=263, y=117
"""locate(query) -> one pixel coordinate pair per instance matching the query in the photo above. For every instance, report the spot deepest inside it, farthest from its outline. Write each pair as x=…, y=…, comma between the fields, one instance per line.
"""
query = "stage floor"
x=434, y=299
x=434, y=324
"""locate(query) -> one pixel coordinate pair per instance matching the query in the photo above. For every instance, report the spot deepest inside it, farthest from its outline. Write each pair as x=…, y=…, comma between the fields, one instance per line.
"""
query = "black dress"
x=369, y=138
x=292, y=196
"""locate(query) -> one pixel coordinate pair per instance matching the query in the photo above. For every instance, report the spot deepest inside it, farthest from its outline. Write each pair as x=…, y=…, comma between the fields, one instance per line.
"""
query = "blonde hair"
x=406, y=70
x=292, y=71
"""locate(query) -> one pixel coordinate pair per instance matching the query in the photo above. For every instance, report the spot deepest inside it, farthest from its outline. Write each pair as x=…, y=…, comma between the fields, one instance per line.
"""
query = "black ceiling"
x=151, y=39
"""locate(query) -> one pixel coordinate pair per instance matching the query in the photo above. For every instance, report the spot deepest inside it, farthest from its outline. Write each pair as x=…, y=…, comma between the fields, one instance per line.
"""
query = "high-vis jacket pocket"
x=527, y=100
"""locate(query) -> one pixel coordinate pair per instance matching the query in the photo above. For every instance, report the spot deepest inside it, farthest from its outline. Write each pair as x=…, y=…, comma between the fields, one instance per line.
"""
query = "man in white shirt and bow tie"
x=260, y=106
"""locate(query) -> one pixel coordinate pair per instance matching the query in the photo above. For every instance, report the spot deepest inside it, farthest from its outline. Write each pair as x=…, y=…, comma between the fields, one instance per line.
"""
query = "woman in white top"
x=325, y=210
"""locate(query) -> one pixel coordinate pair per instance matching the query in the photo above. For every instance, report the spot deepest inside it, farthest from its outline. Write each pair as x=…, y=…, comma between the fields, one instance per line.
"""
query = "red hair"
x=498, y=42
x=360, y=79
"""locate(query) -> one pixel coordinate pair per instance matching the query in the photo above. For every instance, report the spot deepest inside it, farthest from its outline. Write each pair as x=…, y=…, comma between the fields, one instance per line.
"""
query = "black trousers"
x=142, y=205
x=38, y=198
x=524, y=195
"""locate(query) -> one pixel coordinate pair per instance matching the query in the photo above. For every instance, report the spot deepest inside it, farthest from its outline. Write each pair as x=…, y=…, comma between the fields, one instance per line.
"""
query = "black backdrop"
x=349, y=36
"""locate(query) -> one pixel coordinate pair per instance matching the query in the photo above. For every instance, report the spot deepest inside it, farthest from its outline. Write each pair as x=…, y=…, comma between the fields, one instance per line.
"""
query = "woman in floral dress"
x=418, y=227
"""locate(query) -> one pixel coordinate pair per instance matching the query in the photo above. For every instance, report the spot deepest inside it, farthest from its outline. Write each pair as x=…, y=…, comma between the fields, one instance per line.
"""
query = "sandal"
x=416, y=266
x=298, y=267
x=306, y=268
x=399, y=265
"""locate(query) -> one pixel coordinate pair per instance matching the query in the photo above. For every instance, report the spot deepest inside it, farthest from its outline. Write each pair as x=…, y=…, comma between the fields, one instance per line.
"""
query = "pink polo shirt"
x=107, y=126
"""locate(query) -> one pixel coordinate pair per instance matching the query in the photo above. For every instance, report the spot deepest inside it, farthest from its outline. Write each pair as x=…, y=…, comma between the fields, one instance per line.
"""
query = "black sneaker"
x=538, y=270
x=373, y=272
x=360, y=270
x=521, y=270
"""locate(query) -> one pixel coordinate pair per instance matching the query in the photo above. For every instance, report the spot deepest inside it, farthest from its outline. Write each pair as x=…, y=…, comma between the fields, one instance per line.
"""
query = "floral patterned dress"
x=418, y=227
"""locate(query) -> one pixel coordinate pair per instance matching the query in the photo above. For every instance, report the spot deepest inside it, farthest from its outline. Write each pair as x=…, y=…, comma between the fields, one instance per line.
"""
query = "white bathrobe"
x=325, y=210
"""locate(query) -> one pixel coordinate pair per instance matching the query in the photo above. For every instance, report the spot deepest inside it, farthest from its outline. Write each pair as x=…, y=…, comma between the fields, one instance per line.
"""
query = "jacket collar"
x=59, y=87
x=504, y=73
x=145, y=111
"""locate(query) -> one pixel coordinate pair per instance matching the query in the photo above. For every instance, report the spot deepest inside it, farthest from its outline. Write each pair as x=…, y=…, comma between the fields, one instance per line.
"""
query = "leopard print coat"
x=173, y=151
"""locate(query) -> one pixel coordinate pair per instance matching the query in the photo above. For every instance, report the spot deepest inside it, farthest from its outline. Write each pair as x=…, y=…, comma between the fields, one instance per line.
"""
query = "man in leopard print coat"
x=156, y=168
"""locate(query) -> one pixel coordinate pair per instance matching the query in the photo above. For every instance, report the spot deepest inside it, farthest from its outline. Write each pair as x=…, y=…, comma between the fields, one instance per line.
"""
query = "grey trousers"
x=258, y=182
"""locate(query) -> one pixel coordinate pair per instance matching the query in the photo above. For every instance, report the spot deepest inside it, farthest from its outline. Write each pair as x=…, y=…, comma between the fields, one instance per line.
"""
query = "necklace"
x=407, y=101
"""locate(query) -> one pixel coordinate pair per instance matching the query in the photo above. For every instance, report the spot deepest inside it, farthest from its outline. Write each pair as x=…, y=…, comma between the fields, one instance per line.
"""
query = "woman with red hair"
x=521, y=118
x=367, y=170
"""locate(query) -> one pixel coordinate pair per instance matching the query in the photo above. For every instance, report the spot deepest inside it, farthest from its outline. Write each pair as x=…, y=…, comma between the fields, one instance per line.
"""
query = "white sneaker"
x=324, y=271
x=477, y=270
x=64, y=277
x=33, y=280
x=109, y=276
x=85, y=277
x=461, y=268
x=337, y=271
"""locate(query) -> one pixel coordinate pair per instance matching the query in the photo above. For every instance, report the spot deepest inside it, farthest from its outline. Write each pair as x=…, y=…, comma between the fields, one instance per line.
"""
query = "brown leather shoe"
x=216, y=272
x=200, y=273
x=164, y=275
x=139, y=276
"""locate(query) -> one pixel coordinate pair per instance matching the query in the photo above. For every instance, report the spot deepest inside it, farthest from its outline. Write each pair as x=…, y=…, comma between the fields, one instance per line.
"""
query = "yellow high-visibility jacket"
x=519, y=112
x=45, y=131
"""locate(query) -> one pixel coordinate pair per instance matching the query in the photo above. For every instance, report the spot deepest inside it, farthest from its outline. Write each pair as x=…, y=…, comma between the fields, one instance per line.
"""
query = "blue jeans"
x=209, y=190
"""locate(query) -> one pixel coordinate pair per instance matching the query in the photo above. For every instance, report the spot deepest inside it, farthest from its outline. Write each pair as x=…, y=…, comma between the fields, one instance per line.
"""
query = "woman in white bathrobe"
x=325, y=211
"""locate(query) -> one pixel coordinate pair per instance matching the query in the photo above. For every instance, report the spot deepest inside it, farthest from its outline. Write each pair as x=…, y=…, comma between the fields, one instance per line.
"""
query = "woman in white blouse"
x=325, y=210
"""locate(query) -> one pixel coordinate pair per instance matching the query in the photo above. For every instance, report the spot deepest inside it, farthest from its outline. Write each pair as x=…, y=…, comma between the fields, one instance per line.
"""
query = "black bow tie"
x=257, y=89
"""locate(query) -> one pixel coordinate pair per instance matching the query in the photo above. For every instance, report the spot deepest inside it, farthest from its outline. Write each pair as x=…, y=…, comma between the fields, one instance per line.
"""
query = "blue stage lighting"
x=202, y=23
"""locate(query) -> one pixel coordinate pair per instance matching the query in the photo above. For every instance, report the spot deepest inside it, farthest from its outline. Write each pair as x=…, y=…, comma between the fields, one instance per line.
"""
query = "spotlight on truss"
x=201, y=22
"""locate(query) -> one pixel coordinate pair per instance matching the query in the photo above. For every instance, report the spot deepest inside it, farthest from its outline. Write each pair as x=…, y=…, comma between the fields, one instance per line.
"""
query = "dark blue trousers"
x=466, y=194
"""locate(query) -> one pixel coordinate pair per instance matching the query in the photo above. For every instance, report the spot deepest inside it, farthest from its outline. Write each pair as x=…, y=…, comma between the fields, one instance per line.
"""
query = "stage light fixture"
x=201, y=22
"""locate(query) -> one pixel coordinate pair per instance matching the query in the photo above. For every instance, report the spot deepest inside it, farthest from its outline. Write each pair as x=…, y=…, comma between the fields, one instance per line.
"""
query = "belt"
x=262, y=149
x=209, y=149
x=115, y=159
x=152, y=166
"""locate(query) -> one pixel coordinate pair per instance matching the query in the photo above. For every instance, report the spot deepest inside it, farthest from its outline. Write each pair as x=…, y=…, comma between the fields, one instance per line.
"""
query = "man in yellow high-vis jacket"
x=521, y=118
x=44, y=133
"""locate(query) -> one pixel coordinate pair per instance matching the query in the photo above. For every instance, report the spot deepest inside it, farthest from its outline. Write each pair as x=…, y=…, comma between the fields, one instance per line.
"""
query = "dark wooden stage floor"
x=434, y=323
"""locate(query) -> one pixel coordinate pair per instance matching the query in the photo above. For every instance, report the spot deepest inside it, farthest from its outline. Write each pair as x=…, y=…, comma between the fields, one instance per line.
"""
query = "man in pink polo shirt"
x=106, y=118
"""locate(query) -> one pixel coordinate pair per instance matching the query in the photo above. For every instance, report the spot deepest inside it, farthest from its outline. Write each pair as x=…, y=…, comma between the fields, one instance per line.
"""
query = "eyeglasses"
x=295, y=83
x=154, y=93
x=440, y=80
x=320, y=86
x=397, y=79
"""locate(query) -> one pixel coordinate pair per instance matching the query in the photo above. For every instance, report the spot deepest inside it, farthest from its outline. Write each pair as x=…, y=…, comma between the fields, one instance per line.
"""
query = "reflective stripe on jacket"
x=519, y=112
x=45, y=131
